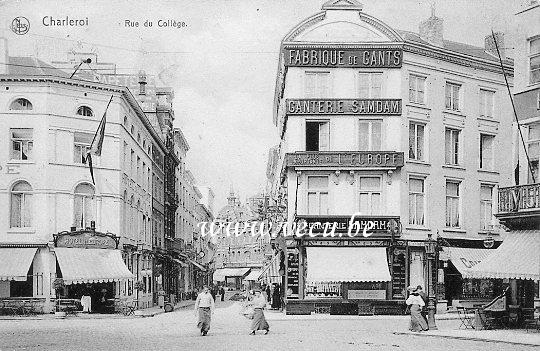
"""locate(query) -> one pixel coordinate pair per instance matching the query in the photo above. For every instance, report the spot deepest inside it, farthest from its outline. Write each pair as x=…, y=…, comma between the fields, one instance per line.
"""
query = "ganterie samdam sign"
x=343, y=106
x=345, y=159
x=354, y=58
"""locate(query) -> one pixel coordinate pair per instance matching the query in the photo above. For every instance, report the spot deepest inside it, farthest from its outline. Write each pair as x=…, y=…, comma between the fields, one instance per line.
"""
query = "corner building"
x=407, y=131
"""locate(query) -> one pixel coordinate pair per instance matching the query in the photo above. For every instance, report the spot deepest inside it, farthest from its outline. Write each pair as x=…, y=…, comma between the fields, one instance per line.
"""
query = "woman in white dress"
x=415, y=303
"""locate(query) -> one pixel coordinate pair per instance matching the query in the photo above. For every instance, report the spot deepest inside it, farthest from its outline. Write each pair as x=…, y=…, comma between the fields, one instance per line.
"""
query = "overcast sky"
x=222, y=65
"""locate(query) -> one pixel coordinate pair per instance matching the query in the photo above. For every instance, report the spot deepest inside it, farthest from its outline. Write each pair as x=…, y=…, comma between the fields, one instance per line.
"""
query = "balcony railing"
x=519, y=198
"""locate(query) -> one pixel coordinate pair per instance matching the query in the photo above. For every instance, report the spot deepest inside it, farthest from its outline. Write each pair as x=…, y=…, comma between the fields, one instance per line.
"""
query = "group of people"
x=416, y=303
x=273, y=295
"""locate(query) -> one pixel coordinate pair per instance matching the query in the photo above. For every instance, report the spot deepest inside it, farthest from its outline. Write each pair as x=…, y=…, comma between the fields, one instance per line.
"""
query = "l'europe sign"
x=389, y=57
x=376, y=227
x=87, y=239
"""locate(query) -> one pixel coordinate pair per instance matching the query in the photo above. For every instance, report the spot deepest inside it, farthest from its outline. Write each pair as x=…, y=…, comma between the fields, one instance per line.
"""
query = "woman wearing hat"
x=415, y=301
x=259, y=321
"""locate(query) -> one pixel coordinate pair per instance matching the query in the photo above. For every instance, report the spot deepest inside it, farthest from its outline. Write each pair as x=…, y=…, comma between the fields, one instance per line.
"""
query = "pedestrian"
x=415, y=303
x=222, y=292
x=204, y=307
x=259, y=321
x=268, y=294
x=424, y=297
x=276, y=297
x=213, y=292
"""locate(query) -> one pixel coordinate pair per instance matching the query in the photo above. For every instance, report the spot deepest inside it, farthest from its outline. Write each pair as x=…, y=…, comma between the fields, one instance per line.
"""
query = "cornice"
x=304, y=24
x=353, y=46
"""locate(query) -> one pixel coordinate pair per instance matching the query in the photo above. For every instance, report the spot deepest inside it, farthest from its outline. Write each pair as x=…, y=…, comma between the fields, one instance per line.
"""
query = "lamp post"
x=431, y=250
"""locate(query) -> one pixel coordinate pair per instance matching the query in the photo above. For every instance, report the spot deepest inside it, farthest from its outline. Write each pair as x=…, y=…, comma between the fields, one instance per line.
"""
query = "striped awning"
x=518, y=257
x=270, y=273
x=91, y=265
x=15, y=262
x=253, y=275
x=465, y=259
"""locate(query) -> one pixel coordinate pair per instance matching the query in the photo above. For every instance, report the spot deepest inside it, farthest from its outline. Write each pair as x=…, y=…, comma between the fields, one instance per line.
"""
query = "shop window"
x=22, y=144
x=534, y=60
x=21, y=104
x=85, y=111
x=477, y=288
x=533, y=149
x=369, y=85
x=486, y=206
x=370, y=135
x=317, y=85
x=317, y=195
x=84, y=206
x=417, y=199
x=452, y=98
x=486, y=103
x=370, y=195
x=416, y=88
x=452, y=204
x=21, y=205
x=416, y=141
x=452, y=148
x=317, y=136
x=82, y=142
x=398, y=274
x=486, y=151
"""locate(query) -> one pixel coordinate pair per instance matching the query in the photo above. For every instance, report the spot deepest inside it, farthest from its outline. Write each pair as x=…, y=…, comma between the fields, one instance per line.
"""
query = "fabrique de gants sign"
x=336, y=57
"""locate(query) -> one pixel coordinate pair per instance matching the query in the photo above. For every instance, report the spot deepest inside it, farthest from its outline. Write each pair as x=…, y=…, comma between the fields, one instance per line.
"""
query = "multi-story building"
x=406, y=131
x=55, y=219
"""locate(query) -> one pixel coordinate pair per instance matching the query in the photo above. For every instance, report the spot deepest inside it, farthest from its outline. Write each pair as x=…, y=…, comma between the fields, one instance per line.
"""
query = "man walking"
x=204, y=306
x=222, y=293
x=424, y=297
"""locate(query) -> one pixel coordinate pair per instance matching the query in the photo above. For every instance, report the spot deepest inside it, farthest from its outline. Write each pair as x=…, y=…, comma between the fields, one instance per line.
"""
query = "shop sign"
x=376, y=227
x=384, y=57
x=343, y=106
x=516, y=198
x=293, y=270
x=87, y=239
x=361, y=159
x=366, y=294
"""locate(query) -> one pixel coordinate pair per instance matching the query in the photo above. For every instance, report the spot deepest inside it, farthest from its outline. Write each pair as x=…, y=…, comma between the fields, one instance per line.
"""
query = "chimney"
x=490, y=44
x=431, y=29
x=4, y=55
x=142, y=83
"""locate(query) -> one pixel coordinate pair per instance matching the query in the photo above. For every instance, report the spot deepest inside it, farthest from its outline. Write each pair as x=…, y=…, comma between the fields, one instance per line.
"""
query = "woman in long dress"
x=415, y=303
x=259, y=321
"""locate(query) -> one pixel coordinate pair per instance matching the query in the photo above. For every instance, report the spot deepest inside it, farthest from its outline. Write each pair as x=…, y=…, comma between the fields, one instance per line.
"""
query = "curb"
x=466, y=338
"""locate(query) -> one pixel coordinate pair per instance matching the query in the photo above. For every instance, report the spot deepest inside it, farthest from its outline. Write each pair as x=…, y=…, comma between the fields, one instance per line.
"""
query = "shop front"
x=91, y=268
x=231, y=278
x=364, y=274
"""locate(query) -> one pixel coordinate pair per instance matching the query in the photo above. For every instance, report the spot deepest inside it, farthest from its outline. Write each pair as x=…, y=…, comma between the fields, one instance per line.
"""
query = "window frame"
x=29, y=107
x=491, y=166
x=21, y=142
x=483, y=102
x=455, y=98
x=530, y=57
x=416, y=143
x=25, y=208
x=489, y=221
x=413, y=77
x=534, y=159
x=370, y=193
x=423, y=194
x=459, y=204
x=370, y=123
x=85, y=197
x=456, y=154
x=370, y=86
x=318, y=192
x=84, y=109
x=319, y=122
x=316, y=89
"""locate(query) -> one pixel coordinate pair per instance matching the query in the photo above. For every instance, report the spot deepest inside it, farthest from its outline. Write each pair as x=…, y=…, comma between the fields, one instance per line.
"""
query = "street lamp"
x=431, y=250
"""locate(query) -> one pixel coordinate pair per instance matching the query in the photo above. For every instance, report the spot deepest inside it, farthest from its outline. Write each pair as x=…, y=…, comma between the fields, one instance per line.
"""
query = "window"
x=21, y=104
x=317, y=195
x=125, y=121
x=84, y=207
x=132, y=130
x=486, y=151
x=132, y=164
x=452, y=204
x=370, y=195
x=416, y=141
x=416, y=201
x=452, y=96
x=451, y=137
x=486, y=103
x=317, y=85
x=22, y=144
x=369, y=85
x=138, y=169
x=370, y=135
x=534, y=61
x=533, y=149
x=82, y=144
x=416, y=89
x=21, y=205
x=85, y=111
x=317, y=136
x=486, y=206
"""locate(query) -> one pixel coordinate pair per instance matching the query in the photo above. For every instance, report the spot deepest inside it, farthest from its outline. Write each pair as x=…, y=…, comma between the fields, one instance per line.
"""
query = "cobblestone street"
x=176, y=331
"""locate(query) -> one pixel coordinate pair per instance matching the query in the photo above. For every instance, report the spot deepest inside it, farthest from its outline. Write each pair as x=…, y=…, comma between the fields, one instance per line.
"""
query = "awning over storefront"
x=518, y=257
x=15, y=262
x=270, y=273
x=347, y=264
x=181, y=263
x=221, y=273
x=91, y=265
x=198, y=265
x=253, y=275
x=465, y=259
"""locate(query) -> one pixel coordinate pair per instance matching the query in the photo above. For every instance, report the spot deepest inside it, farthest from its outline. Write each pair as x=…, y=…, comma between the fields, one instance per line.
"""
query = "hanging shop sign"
x=390, y=159
x=343, y=106
x=293, y=270
x=87, y=239
x=379, y=227
x=383, y=57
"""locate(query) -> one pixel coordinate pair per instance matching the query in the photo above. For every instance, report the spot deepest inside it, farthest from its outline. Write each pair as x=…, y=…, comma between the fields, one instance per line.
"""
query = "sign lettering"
x=356, y=58
x=343, y=106
x=516, y=198
x=346, y=159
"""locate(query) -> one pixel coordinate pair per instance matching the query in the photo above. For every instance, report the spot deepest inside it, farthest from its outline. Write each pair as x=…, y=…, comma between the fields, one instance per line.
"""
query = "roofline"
x=183, y=138
x=124, y=91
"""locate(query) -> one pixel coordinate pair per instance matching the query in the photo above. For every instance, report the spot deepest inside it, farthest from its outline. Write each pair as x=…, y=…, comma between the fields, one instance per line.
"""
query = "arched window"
x=85, y=111
x=84, y=206
x=21, y=104
x=21, y=205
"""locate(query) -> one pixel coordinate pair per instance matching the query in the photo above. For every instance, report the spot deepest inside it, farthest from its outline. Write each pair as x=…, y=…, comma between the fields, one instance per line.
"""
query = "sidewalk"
x=281, y=316
x=515, y=337
x=147, y=312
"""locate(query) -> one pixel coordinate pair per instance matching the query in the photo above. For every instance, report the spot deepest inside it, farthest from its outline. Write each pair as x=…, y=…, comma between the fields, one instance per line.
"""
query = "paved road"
x=176, y=331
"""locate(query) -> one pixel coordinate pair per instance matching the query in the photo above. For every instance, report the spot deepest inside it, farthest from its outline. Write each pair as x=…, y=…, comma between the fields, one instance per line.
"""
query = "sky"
x=222, y=64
